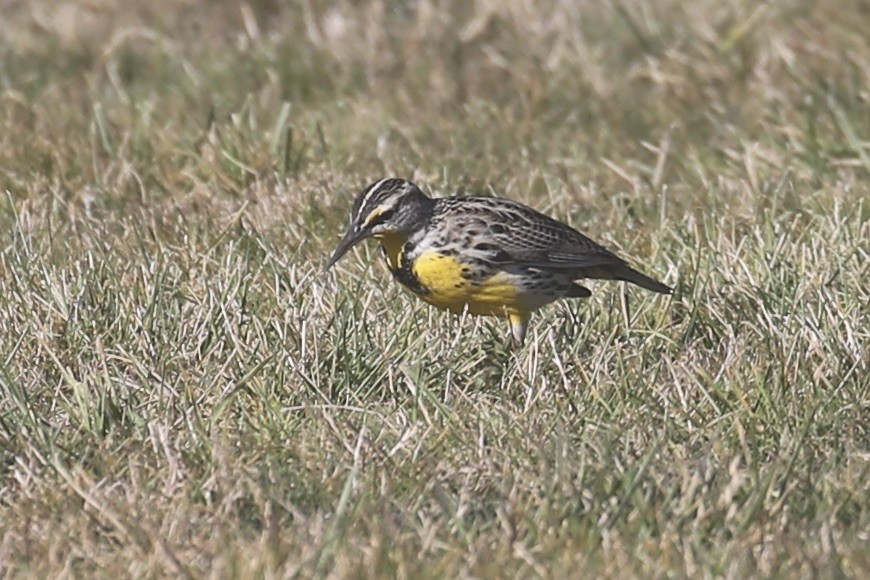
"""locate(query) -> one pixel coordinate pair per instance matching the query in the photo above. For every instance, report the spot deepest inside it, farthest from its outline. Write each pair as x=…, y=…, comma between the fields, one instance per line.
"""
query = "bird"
x=489, y=256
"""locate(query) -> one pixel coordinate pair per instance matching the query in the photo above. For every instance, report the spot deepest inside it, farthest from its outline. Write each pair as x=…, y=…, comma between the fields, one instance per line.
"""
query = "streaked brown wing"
x=520, y=235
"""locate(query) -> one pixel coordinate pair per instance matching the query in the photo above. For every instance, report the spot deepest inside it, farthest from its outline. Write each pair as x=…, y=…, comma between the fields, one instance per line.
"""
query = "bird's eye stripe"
x=372, y=218
x=379, y=217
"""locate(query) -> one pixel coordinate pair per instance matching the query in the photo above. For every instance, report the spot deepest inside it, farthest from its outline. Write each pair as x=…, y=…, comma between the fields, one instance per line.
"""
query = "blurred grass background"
x=184, y=391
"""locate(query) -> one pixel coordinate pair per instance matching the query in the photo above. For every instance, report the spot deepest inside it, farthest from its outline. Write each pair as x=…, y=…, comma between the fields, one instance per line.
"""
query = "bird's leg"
x=519, y=324
x=626, y=312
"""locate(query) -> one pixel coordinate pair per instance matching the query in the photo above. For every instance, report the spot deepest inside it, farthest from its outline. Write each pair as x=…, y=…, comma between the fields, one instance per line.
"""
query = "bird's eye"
x=383, y=217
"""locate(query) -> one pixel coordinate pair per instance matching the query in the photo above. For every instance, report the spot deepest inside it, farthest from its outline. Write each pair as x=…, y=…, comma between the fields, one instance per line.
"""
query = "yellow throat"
x=393, y=245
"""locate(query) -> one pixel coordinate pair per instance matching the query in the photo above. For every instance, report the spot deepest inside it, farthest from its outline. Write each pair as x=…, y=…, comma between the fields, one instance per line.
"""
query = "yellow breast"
x=447, y=288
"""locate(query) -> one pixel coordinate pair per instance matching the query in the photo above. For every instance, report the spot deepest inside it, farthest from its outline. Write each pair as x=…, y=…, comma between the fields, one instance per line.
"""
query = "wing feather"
x=523, y=236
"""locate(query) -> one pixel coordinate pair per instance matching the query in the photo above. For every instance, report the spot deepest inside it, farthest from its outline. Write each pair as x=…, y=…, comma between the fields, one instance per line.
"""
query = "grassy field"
x=184, y=391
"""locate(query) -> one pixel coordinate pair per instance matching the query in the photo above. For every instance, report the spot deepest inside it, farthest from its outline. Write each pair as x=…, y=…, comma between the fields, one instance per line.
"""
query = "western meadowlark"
x=491, y=256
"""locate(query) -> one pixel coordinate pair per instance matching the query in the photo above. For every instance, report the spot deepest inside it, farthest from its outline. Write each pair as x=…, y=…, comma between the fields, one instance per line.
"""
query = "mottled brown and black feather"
x=515, y=234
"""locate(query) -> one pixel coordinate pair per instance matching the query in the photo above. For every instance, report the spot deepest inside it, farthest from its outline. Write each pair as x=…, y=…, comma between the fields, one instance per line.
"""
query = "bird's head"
x=384, y=208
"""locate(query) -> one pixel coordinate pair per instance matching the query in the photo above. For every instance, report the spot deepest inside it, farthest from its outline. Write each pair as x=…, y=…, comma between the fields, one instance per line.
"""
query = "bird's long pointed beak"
x=350, y=239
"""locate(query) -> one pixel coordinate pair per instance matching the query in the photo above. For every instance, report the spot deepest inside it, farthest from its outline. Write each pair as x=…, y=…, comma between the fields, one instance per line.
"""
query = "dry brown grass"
x=184, y=391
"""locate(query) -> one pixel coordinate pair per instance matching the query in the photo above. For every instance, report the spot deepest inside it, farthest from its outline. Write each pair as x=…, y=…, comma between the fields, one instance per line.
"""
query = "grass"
x=185, y=392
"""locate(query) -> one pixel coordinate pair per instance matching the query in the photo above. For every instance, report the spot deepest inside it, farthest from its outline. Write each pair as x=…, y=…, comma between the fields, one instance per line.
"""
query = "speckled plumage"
x=489, y=255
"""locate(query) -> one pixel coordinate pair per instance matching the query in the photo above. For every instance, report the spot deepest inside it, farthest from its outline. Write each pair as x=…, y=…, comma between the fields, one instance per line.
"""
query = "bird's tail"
x=628, y=274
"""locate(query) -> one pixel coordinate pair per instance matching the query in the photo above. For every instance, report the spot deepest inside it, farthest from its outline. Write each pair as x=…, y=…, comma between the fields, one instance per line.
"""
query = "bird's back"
x=508, y=232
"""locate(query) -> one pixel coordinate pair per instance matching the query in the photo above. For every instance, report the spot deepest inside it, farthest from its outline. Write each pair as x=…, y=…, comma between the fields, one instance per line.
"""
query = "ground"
x=185, y=391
